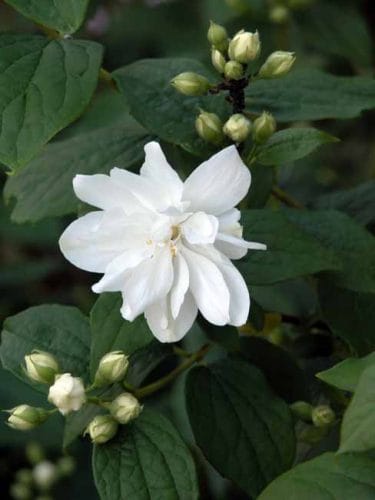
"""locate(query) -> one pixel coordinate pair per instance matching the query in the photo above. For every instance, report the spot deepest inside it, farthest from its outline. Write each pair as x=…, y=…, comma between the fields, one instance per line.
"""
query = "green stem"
x=286, y=198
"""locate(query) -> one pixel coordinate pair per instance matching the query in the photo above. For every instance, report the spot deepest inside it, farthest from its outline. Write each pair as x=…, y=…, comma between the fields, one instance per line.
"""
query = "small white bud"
x=263, y=127
x=278, y=64
x=210, y=127
x=125, y=408
x=102, y=428
x=218, y=60
x=323, y=416
x=112, y=368
x=67, y=393
x=45, y=475
x=237, y=128
x=217, y=36
x=233, y=70
x=25, y=417
x=41, y=366
x=191, y=84
x=244, y=47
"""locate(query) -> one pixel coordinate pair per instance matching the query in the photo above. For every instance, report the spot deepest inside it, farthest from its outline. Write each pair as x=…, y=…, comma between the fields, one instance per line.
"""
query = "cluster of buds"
x=320, y=420
x=233, y=59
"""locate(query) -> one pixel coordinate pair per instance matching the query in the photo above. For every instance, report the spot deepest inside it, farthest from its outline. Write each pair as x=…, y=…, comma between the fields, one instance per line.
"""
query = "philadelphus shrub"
x=165, y=244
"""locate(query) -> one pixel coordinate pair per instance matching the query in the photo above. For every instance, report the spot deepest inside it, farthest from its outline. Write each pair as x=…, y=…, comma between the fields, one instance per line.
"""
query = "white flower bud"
x=233, y=70
x=45, y=475
x=217, y=36
x=102, y=428
x=209, y=127
x=191, y=84
x=67, y=393
x=125, y=408
x=263, y=127
x=25, y=417
x=244, y=47
x=112, y=368
x=237, y=128
x=278, y=64
x=41, y=366
x=218, y=60
x=322, y=416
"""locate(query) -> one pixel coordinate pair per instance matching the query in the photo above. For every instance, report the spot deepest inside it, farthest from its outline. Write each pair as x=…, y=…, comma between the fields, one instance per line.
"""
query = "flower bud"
x=191, y=84
x=24, y=476
x=112, y=368
x=279, y=14
x=302, y=410
x=67, y=393
x=279, y=63
x=322, y=416
x=217, y=36
x=20, y=491
x=102, y=428
x=244, y=47
x=233, y=70
x=66, y=466
x=41, y=366
x=209, y=127
x=263, y=127
x=25, y=417
x=237, y=128
x=218, y=60
x=45, y=475
x=125, y=408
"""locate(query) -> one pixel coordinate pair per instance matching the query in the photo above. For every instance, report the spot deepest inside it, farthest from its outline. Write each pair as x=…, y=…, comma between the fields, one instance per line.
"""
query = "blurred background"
x=333, y=35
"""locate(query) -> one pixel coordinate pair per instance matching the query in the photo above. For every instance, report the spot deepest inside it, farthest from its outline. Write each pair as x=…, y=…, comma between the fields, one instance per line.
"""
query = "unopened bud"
x=218, y=60
x=322, y=416
x=237, y=128
x=263, y=127
x=233, y=70
x=191, y=84
x=125, y=408
x=66, y=466
x=217, y=36
x=25, y=417
x=102, y=428
x=279, y=14
x=302, y=410
x=112, y=368
x=67, y=393
x=278, y=64
x=20, y=491
x=209, y=127
x=45, y=475
x=24, y=476
x=244, y=47
x=41, y=366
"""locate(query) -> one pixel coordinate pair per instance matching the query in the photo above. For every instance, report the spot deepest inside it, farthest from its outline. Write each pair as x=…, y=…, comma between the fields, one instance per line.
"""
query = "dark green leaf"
x=262, y=178
x=346, y=375
x=65, y=16
x=145, y=360
x=146, y=460
x=226, y=336
x=327, y=477
x=245, y=431
x=44, y=86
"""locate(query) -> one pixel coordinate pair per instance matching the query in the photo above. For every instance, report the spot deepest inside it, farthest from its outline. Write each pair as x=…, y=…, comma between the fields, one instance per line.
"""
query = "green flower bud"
x=112, y=368
x=25, y=417
x=323, y=416
x=279, y=63
x=102, y=428
x=34, y=452
x=279, y=14
x=302, y=410
x=217, y=36
x=209, y=127
x=237, y=128
x=191, y=84
x=263, y=127
x=244, y=47
x=66, y=466
x=41, y=366
x=218, y=60
x=233, y=70
x=125, y=408
x=24, y=476
x=45, y=475
x=20, y=491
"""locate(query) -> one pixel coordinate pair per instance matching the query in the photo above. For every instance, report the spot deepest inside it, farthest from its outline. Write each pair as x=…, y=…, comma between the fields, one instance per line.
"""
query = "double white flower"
x=166, y=244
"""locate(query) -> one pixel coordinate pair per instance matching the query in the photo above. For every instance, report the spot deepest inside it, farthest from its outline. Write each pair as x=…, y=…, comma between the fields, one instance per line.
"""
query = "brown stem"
x=286, y=198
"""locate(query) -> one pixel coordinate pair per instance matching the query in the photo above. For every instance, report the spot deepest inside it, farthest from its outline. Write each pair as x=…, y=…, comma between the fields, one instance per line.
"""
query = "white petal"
x=94, y=240
x=239, y=294
x=180, y=284
x=253, y=245
x=147, y=283
x=208, y=287
x=200, y=229
x=234, y=252
x=164, y=327
x=229, y=221
x=218, y=184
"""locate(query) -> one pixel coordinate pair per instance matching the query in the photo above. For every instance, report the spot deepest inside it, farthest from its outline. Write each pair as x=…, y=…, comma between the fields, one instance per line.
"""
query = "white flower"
x=166, y=244
x=67, y=393
x=45, y=474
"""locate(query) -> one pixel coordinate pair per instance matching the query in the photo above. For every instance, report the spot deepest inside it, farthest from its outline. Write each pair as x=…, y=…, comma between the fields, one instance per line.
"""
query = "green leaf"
x=146, y=460
x=111, y=332
x=44, y=86
x=143, y=361
x=291, y=252
x=65, y=16
x=245, y=431
x=327, y=477
x=159, y=107
x=312, y=95
x=346, y=375
x=262, y=178
x=61, y=330
x=292, y=144
x=358, y=425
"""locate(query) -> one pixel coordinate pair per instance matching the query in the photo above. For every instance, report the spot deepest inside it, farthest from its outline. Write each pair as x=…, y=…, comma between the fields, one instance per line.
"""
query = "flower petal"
x=239, y=294
x=218, y=184
x=180, y=284
x=240, y=242
x=200, y=229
